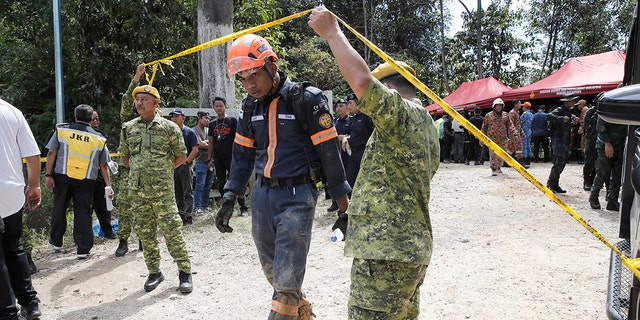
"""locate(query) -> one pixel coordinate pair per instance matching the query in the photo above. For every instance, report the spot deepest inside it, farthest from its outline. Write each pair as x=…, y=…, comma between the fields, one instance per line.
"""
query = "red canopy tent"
x=472, y=94
x=581, y=76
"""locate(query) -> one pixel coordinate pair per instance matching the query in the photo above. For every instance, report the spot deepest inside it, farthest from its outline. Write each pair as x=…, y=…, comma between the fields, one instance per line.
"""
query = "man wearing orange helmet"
x=286, y=135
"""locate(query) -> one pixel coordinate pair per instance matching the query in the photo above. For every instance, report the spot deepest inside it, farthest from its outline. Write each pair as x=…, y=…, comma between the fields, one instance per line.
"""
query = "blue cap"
x=177, y=111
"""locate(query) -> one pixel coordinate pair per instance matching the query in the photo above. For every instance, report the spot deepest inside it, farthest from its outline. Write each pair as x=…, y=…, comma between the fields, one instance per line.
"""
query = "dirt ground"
x=502, y=250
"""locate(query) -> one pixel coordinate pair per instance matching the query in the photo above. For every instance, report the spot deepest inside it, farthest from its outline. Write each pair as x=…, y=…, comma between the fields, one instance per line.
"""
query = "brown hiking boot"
x=304, y=310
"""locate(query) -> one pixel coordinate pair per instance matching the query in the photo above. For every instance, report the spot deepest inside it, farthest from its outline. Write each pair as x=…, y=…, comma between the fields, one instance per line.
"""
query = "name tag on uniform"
x=286, y=116
x=257, y=118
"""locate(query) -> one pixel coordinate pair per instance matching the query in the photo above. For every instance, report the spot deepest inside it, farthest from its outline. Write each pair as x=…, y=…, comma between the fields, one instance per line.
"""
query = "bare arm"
x=353, y=68
x=192, y=154
x=179, y=160
x=32, y=192
x=210, y=152
x=51, y=159
x=104, y=171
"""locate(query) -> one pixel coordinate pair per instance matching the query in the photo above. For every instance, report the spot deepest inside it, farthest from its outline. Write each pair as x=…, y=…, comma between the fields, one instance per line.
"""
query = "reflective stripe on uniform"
x=273, y=137
x=244, y=141
x=284, y=309
x=81, y=147
x=324, y=135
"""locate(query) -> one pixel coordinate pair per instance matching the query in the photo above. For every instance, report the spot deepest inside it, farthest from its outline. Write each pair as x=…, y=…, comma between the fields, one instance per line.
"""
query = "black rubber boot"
x=594, y=202
x=123, y=248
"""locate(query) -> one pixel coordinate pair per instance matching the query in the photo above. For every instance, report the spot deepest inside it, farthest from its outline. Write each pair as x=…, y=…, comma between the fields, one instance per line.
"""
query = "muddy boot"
x=304, y=310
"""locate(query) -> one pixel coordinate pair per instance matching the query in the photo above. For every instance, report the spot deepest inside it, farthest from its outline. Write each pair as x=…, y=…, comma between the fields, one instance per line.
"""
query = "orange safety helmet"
x=248, y=52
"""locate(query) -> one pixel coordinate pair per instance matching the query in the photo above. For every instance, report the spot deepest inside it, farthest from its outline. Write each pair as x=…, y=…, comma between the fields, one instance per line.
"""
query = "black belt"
x=285, y=182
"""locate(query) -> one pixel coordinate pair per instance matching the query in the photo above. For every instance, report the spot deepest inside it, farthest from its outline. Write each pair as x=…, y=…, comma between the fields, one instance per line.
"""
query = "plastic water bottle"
x=337, y=235
x=114, y=226
x=113, y=167
x=97, y=231
x=107, y=192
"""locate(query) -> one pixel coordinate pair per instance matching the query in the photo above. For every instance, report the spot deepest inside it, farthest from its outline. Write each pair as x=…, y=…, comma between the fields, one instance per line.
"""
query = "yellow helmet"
x=385, y=70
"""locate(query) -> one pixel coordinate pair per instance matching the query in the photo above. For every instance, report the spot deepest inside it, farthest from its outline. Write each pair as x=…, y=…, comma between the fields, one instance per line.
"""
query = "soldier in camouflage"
x=610, y=149
x=125, y=213
x=389, y=227
x=560, y=120
x=152, y=147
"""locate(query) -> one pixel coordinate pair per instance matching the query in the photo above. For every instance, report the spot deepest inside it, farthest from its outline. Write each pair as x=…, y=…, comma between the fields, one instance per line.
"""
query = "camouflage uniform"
x=515, y=143
x=389, y=225
x=560, y=140
x=500, y=129
x=152, y=150
x=125, y=212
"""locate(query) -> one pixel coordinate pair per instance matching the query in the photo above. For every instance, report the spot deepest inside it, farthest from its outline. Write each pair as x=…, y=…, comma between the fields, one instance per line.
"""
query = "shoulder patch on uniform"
x=325, y=120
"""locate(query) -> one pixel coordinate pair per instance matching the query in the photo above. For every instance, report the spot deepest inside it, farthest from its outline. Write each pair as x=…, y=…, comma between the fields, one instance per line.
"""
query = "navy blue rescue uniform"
x=361, y=130
x=343, y=126
x=276, y=146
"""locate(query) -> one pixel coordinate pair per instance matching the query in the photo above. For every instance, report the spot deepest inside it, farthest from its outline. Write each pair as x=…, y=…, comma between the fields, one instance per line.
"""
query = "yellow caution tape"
x=220, y=40
x=632, y=264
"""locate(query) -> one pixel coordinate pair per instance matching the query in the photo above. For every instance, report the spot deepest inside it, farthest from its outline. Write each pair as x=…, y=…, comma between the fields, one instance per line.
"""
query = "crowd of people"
x=570, y=131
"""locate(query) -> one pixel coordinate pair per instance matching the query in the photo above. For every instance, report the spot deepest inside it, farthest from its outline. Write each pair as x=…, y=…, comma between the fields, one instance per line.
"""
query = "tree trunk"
x=443, y=51
x=479, y=39
x=214, y=20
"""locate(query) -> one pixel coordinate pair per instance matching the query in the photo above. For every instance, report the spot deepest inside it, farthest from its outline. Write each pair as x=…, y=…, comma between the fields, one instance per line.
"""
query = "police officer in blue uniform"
x=361, y=130
x=342, y=122
x=285, y=135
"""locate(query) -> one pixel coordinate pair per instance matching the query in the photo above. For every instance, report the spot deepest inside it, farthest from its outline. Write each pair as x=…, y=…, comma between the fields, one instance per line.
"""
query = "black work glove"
x=341, y=223
x=225, y=212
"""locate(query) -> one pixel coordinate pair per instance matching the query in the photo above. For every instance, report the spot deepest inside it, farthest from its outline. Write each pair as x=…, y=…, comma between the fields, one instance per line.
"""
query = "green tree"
x=102, y=41
x=571, y=28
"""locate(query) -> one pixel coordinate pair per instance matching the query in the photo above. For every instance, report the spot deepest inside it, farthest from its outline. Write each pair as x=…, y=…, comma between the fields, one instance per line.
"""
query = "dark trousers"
x=100, y=207
x=183, y=183
x=559, y=162
x=447, y=143
x=458, y=146
x=82, y=193
x=474, y=150
x=16, y=260
x=608, y=170
x=590, y=156
x=223, y=167
x=8, y=308
x=539, y=141
x=354, y=165
x=281, y=223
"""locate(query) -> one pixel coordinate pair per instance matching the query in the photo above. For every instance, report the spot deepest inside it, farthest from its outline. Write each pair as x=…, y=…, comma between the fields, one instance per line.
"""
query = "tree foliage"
x=102, y=41
x=568, y=28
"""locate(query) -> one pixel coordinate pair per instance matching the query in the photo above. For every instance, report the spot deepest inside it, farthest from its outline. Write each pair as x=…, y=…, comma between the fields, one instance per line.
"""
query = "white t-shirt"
x=16, y=142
